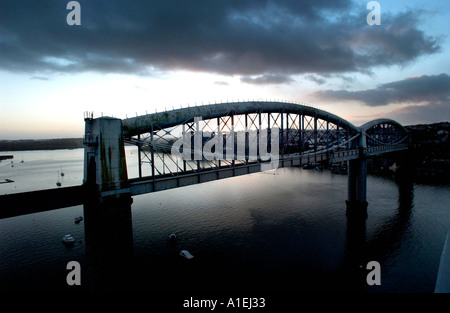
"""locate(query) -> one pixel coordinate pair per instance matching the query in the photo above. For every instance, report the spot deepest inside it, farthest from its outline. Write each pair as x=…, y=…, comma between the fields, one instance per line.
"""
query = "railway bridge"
x=198, y=144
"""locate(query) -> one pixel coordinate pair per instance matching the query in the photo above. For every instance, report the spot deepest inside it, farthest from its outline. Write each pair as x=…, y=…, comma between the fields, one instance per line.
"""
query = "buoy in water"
x=173, y=238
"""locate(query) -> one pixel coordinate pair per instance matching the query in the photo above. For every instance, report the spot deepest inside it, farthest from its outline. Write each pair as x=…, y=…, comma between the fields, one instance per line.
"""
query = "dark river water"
x=285, y=230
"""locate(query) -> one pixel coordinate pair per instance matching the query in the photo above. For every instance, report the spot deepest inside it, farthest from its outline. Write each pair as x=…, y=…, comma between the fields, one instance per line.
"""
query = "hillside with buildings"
x=430, y=144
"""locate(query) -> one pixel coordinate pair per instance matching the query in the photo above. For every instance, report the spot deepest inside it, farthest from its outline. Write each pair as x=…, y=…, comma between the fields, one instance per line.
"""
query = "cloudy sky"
x=133, y=57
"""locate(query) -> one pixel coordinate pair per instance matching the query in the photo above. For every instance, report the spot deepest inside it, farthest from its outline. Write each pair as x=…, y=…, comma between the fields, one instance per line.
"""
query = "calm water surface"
x=280, y=231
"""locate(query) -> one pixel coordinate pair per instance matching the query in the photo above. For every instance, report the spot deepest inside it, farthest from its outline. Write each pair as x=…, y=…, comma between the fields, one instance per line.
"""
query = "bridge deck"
x=163, y=182
x=39, y=201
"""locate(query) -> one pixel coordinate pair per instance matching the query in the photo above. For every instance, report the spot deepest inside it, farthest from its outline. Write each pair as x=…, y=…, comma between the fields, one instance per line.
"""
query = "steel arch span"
x=140, y=124
x=203, y=143
x=382, y=132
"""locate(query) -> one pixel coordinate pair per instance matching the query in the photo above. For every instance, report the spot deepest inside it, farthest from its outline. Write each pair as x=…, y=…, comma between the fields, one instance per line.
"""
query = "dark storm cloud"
x=318, y=80
x=434, y=88
x=39, y=78
x=261, y=38
x=267, y=79
x=422, y=114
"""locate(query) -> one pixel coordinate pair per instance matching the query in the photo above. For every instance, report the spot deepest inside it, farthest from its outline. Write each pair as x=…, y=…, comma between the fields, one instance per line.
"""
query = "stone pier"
x=105, y=168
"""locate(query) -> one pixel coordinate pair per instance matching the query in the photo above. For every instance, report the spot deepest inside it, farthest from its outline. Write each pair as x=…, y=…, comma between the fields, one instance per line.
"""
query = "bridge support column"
x=105, y=169
x=357, y=182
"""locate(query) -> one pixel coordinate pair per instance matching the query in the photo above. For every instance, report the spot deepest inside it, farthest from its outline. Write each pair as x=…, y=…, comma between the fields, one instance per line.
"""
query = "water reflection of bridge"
x=112, y=239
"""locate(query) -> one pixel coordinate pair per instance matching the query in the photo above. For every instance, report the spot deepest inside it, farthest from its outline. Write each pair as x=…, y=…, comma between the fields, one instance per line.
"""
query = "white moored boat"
x=186, y=254
x=68, y=239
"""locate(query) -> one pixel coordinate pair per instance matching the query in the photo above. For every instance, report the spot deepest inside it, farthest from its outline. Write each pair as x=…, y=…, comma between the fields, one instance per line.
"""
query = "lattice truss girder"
x=385, y=134
x=298, y=133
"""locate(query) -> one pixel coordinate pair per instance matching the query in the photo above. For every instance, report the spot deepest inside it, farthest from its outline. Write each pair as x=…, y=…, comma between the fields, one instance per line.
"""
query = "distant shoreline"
x=41, y=144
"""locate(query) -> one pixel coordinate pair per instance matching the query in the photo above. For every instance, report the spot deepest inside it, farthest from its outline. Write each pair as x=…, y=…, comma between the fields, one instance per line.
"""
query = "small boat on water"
x=186, y=254
x=68, y=240
x=78, y=219
x=58, y=183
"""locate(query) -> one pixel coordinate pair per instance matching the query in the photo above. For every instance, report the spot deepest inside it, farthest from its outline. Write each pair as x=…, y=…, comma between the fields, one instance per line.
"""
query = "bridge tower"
x=357, y=181
x=105, y=169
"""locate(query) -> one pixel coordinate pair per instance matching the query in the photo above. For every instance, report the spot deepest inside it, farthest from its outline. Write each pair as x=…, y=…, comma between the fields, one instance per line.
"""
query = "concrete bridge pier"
x=357, y=182
x=105, y=169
